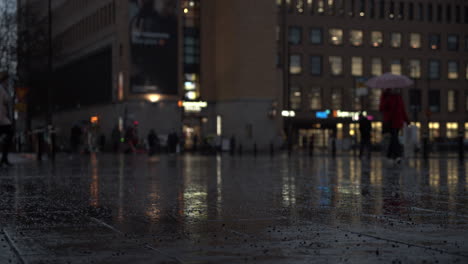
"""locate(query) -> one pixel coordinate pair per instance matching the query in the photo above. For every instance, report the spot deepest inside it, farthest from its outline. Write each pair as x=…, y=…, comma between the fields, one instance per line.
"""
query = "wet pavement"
x=220, y=209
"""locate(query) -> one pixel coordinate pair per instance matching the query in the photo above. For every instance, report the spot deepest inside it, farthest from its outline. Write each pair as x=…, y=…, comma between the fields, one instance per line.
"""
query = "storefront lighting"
x=286, y=113
x=191, y=95
x=153, y=98
x=189, y=85
x=186, y=10
x=193, y=106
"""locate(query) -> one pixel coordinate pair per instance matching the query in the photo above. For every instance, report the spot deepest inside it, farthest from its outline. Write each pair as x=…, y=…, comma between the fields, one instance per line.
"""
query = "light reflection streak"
x=121, y=187
x=195, y=195
x=452, y=182
x=288, y=187
x=219, y=185
x=94, y=187
x=434, y=175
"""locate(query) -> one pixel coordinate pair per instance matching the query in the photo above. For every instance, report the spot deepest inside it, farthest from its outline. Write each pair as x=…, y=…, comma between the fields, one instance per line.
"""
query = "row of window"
x=101, y=18
x=314, y=100
x=382, y=9
x=376, y=38
x=412, y=68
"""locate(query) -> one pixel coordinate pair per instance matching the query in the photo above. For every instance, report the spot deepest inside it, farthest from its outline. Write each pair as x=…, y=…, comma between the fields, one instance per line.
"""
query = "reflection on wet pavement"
x=223, y=209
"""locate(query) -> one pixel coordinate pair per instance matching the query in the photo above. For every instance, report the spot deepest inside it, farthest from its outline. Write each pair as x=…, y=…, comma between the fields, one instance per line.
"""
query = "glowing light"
x=153, y=98
x=94, y=119
x=189, y=85
x=218, y=125
x=191, y=95
x=362, y=14
x=286, y=113
x=186, y=10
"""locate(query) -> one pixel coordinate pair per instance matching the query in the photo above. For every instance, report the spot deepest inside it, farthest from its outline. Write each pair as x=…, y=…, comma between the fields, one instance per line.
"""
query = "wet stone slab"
x=222, y=209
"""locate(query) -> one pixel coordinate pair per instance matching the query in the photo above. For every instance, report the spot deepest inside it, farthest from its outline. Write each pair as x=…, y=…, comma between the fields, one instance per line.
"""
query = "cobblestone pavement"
x=221, y=209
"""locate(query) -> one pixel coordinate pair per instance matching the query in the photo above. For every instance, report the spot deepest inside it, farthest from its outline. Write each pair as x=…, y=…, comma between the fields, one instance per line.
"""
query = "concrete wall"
x=238, y=70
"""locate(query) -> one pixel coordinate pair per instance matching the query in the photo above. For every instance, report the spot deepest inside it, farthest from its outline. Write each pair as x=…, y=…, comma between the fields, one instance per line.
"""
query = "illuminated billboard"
x=153, y=46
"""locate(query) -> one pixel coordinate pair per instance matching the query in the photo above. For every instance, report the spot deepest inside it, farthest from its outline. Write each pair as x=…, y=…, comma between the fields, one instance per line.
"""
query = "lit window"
x=415, y=40
x=452, y=100
x=395, y=40
x=452, y=130
x=295, y=97
x=375, y=95
x=434, y=69
x=452, y=42
x=300, y=6
x=395, y=67
x=415, y=69
x=295, y=35
x=391, y=15
x=315, y=98
x=376, y=69
x=362, y=8
x=376, y=38
x=336, y=98
x=315, y=36
x=336, y=36
x=434, y=130
x=336, y=65
x=356, y=66
x=331, y=7
x=452, y=70
x=316, y=65
x=377, y=131
x=434, y=41
x=295, y=64
x=355, y=37
x=321, y=6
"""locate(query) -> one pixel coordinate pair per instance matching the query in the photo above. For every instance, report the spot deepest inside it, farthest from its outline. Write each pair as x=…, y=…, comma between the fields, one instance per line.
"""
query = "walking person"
x=152, y=138
x=365, y=129
x=395, y=117
x=6, y=128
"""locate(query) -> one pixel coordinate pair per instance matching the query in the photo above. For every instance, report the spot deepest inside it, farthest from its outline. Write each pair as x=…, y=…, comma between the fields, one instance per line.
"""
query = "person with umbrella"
x=392, y=108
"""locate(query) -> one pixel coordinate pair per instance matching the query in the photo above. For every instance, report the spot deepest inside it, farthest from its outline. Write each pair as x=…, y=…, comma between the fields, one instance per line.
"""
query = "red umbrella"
x=388, y=80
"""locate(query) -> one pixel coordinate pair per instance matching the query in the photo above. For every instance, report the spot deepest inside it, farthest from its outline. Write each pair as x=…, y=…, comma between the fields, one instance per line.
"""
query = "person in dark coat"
x=365, y=129
x=395, y=117
x=152, y=142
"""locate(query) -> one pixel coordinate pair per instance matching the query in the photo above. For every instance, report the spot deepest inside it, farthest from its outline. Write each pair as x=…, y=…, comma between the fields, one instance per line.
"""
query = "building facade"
x=331, y=47
x=172, y=66
x=257, y=70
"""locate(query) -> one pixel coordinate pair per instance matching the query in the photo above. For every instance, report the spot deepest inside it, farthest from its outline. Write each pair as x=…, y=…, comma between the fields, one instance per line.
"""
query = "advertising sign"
x=153, y=46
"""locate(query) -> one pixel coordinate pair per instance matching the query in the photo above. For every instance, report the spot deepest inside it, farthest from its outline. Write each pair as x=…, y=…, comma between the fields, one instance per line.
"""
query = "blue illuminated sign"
x=322, y=114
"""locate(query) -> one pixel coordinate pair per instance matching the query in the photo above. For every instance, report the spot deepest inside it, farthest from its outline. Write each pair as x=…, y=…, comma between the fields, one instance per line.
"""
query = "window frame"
x=311, y=29
x=320, y=57
x=457, y=43
x=429, y=69
x=299, y=55
x=290, y=29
